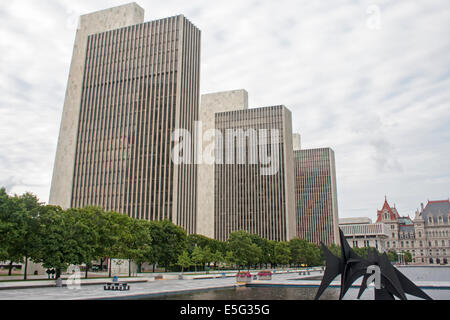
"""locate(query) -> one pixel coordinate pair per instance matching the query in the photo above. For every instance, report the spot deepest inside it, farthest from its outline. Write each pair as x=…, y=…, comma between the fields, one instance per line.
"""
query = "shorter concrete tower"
x=316, y=196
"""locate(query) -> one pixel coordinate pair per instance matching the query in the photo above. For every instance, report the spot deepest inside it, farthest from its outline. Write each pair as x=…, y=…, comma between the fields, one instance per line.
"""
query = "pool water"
x=432, y=274
x=253, y=293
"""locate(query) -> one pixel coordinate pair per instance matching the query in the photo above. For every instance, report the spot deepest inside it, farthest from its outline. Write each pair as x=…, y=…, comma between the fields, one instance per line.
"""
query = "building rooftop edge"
x=131, y=4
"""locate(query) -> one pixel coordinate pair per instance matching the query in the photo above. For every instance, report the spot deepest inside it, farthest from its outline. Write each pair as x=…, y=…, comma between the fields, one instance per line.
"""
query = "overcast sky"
x=370, y=79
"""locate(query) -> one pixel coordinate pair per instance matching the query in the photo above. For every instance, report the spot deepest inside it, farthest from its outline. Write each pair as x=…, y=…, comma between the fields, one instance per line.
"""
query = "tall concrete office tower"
x=252, y=193
x=210, y=105
x=316, y=196
x=297, y=142
x=130, y=86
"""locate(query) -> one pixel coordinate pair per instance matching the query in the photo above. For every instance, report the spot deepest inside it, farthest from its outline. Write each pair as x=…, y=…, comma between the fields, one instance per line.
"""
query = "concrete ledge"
x=52, y=283
x=337, y=284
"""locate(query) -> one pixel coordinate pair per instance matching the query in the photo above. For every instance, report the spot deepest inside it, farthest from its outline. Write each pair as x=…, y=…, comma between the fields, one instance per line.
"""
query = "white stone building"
x=362, y=233
x=426, y=238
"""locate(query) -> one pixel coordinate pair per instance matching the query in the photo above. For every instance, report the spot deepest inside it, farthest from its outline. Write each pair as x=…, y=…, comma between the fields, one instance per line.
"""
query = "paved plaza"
x=137, y=289
x=164, y=287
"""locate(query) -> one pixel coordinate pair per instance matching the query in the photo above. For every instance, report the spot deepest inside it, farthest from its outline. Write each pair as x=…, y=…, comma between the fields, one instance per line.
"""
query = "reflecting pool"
x=426, y=275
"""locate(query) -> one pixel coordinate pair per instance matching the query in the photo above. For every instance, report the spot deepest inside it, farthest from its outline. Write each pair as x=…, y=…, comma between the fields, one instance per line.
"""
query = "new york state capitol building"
x=426, y=237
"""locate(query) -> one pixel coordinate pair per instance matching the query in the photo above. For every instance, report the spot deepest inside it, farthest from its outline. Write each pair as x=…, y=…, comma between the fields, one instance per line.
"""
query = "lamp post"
x=401, y=257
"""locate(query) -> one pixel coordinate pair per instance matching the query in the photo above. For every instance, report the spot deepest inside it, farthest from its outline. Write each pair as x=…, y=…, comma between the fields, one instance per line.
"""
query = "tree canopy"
x=58, y=238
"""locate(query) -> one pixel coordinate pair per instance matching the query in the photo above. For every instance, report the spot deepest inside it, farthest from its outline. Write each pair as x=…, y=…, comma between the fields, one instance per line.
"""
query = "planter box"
x=243, y=280
x=265, y=278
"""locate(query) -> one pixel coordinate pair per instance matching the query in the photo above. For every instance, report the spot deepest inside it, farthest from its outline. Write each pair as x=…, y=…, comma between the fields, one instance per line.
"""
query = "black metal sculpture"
x=351, y=267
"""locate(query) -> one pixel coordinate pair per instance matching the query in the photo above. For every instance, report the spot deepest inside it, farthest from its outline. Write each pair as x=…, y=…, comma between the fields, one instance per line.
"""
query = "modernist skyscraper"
x=316, y=196
x=210, y=105
x=248, y=195
x=130, y=86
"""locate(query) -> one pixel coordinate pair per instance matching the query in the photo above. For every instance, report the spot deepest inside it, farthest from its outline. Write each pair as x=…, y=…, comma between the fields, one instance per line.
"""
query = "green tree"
x=86, y=235
x=30, y=244
x=299, y=248
x=58, y=248
x=392, y=255
x=229, y=258
x=254, y=256
x=217, y=257
x=169, y=241
x=364, y=252
x=195, y=240
x=184, y=261
x=114, y=232
x=197, y=257
x=245, y=252
x=13, y=216
x=282, y=253
x=138, y=242
x=266, y=250
x=305, y=253
x=4, y=226
x=207, y=256
x=271, y=252
x=408, y=257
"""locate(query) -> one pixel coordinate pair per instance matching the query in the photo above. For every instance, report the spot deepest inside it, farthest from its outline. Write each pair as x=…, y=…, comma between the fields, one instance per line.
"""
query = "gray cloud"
x=379, y=98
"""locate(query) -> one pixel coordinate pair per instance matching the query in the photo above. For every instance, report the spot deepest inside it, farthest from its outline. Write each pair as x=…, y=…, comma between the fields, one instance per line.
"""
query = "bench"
x=117, y=287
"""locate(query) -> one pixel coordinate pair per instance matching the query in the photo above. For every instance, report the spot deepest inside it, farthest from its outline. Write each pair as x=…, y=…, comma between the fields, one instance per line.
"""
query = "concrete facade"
x=105, y=20
x=297, y=142
x=245, y=197
x=426, y=238
x=132, y=86
x=316, y=196
x=362, y=233
x=210, y=105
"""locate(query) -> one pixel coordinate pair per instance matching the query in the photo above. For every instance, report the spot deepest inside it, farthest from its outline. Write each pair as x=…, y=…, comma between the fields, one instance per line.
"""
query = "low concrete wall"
x=52, y=283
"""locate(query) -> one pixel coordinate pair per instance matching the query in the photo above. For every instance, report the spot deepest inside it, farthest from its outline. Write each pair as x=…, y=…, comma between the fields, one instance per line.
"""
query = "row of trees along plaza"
x=57, y=238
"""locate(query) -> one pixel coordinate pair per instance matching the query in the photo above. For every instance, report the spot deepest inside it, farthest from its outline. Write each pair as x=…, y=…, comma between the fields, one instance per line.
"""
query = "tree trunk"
x=154, y=266
x=10, y=268
x=87, y=269
x=26, y=269
x=109, y=267
x=58, y=273
x=129, y=268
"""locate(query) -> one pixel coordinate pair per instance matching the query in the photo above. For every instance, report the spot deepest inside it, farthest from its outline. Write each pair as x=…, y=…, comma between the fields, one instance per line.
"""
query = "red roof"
x=438, y=201
x=387, y=207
